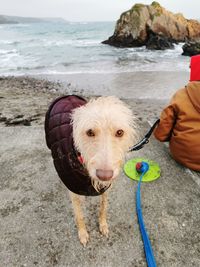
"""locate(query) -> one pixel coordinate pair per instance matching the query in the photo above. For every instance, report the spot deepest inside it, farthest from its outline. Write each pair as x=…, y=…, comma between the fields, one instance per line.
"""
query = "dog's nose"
x=104, y=175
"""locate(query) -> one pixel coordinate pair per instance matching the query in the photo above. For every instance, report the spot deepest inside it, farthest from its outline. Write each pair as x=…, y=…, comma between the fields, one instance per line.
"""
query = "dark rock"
x=18, y=121
x=27, y=122
x=126, y=41
x=159, y=42
x=2, y=119
x=19, y=116
x=191, y=49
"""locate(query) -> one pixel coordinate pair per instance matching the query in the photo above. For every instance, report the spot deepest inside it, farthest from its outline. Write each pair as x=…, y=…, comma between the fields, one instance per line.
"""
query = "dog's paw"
x=104, y=229
x=83, y=237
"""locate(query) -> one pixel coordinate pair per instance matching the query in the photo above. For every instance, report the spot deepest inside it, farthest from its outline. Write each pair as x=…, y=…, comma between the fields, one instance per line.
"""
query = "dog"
x=90, y=148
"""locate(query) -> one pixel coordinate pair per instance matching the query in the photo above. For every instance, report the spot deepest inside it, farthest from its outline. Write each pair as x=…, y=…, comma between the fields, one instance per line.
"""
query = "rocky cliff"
x=143, y=23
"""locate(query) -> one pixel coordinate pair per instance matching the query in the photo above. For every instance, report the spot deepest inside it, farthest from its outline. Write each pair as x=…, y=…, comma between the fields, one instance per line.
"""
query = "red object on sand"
x=195, y=68
x=138, y=166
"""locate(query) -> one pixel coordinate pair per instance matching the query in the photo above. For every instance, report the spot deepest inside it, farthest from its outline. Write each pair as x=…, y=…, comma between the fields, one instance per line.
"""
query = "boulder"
x=191, y=49
x=159, y=42
x=144, y=24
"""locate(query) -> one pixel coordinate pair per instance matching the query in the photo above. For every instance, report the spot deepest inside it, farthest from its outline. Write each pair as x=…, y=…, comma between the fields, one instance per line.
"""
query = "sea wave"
x=6, y=42
x=75, y=48
x=71, y=42
x=21, y=71
x=7, y=52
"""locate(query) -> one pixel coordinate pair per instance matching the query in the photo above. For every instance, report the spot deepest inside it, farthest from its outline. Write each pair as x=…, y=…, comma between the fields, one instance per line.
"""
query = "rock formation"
x=143, y=24
x=158, y=42
x=191, y=49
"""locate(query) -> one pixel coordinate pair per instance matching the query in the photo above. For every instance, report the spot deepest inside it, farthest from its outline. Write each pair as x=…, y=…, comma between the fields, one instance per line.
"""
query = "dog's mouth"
x=100, y=185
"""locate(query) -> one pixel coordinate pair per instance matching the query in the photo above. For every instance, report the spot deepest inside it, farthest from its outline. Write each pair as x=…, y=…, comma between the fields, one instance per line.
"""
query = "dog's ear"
x=132, y=122
x=76, y=121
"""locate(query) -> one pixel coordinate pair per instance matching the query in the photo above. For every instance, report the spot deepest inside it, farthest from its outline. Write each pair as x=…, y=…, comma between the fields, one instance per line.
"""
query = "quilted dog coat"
x=59, y=139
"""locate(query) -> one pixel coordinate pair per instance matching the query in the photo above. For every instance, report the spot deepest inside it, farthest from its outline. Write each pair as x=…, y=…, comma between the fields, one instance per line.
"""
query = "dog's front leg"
x=82, y=231
x=103, y=226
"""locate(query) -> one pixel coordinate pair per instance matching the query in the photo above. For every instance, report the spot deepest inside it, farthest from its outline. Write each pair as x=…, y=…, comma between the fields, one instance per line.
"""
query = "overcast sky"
x=90, y=10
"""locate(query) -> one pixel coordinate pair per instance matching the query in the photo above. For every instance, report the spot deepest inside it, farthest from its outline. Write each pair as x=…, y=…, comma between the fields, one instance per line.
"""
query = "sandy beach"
x=36, y=220
x=26, y=98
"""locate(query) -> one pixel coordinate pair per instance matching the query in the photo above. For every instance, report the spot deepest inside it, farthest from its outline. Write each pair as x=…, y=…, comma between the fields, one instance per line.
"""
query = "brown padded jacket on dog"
x=59, y=139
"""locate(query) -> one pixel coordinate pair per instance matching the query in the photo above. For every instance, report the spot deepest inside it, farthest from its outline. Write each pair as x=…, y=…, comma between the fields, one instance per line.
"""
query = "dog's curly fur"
x=103, y=131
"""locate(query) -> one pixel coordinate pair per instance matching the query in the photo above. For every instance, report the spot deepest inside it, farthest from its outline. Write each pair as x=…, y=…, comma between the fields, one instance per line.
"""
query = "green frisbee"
x=152, y=174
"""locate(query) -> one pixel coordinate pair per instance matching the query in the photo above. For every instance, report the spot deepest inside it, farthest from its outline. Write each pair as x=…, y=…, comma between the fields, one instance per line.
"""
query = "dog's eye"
x=119, y=133
x=90, y=133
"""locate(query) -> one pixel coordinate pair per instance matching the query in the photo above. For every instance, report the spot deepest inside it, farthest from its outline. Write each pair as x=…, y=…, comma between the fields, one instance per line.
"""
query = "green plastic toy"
x=152, y=174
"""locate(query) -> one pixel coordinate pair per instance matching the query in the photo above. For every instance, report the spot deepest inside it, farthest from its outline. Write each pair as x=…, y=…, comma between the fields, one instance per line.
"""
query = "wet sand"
x=137, y=85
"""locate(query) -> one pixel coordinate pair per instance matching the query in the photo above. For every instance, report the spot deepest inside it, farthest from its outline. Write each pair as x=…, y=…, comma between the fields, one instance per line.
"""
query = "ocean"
x=73, y=53
x=69, y=48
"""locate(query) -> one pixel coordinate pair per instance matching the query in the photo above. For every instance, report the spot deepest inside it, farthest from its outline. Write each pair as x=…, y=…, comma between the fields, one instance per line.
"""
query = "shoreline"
x=142, y=85
x=138, y=84
x=25, y=100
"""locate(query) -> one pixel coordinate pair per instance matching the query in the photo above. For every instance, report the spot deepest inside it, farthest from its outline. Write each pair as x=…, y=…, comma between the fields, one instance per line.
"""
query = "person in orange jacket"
x=180, y=121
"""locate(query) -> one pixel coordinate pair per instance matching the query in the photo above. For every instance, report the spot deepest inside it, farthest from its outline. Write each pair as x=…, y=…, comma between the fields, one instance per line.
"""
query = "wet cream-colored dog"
x=103, y=131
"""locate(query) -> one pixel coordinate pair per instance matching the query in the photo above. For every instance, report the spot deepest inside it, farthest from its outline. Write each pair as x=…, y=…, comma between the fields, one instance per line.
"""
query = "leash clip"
x=139, y=145
x=145, y=140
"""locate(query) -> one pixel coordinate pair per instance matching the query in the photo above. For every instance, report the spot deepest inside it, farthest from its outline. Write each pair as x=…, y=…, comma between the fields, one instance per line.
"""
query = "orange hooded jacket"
x=180, y=123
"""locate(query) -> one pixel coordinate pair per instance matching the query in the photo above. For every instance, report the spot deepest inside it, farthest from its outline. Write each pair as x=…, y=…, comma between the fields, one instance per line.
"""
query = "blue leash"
x=143, y=168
